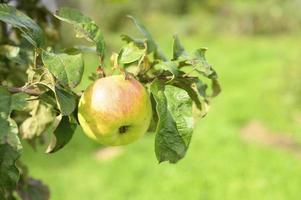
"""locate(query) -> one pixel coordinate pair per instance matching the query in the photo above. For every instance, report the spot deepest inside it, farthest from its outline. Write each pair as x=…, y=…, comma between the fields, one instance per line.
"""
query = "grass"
x=219, y=164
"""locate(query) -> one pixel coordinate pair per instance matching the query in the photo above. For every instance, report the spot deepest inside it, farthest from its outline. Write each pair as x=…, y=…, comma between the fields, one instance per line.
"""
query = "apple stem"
x=100, y=72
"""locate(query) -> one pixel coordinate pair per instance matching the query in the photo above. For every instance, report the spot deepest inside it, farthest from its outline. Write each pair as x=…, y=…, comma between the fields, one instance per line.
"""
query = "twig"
x=32, y=92
x=35, y=55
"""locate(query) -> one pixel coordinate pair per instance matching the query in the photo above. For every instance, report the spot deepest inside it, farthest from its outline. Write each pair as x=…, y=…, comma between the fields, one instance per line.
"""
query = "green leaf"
x=68, y=69
x=5, y=99
x=178, y=49
x=140, y=43
x=216, y=87
x=151, y=44
x=9, y=173
x=175, y=125
x=170, y=66
x=64, y=130
x=80, y=49
x=8, y=127
x=30, y=30
x=131, y=53
x=49, y=98
x=154, y=122
x=10, y=135
x=201, y=88
x=19, y=101
x=187, y=85
x=200, y=63
x=180, y=107
x=66, y=100
x=40, y=77
x=84, y=27
x=206, y=69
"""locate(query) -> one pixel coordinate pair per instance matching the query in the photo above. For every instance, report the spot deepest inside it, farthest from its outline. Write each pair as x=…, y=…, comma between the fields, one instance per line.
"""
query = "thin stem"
x=32, y=92
x=35, y=55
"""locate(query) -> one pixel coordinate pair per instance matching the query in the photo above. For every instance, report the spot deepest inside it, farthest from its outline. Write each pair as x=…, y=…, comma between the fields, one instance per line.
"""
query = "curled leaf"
x=84, y=27
x=68, y=69
x=151, y=44
x=29, y=28
x=175, y=124
x=63, y=129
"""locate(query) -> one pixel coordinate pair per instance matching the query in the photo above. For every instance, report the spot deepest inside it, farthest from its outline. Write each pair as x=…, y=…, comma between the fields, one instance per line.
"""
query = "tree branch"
x=32, y=92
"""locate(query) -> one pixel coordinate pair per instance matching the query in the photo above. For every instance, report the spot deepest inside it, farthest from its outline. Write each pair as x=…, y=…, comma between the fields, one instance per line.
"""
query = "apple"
x=115, y=110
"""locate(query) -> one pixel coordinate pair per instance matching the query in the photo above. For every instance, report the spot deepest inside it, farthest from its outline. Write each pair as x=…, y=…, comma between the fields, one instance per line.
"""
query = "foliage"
x=219, y=163
x=47, y=103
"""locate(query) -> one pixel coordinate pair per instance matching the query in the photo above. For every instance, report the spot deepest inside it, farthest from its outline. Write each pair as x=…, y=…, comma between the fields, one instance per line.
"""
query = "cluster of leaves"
x=177, y=91
x=44, y=104
x=47, y=102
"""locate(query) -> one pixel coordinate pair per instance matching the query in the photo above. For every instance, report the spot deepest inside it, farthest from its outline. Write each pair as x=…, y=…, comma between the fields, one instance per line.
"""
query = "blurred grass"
x=219, y=164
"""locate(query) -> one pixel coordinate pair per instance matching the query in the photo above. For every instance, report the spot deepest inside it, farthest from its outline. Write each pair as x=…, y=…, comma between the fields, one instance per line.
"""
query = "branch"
x=32, y=92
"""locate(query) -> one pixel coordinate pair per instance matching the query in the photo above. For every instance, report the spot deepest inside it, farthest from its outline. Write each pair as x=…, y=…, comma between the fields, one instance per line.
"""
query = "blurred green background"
x=247, y=147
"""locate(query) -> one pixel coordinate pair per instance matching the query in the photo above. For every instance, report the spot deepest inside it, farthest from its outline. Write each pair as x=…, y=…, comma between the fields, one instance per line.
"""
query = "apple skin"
x=114, y=110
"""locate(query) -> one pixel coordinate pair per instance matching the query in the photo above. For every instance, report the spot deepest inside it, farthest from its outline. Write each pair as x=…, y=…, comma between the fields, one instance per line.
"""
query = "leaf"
x=170, y=66
x=66, y=100
x=175, y=125
x=49, y=98
x=131, y=53
x=216, y=88
x=68, y=69
x=151, y=44
x=33, y=189
x=84, y=27
x=180, y=106
x=64, y=130
x=80, y=49
x=187, y=85
x=40, y=77
x=206, y=69
x=30, y=30
x=8, y=127
x=5, y=100
x=9, y=173
x=41, y=117
x=140, y=43
x=200, y=63
x=178, y=49
x=19, y=101
x=11, y=137
x=201, y=88
x=154, y=121
x=9, y=133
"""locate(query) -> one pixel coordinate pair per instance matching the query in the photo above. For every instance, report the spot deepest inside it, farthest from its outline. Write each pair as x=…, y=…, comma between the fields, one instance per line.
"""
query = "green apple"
x=115, y=110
